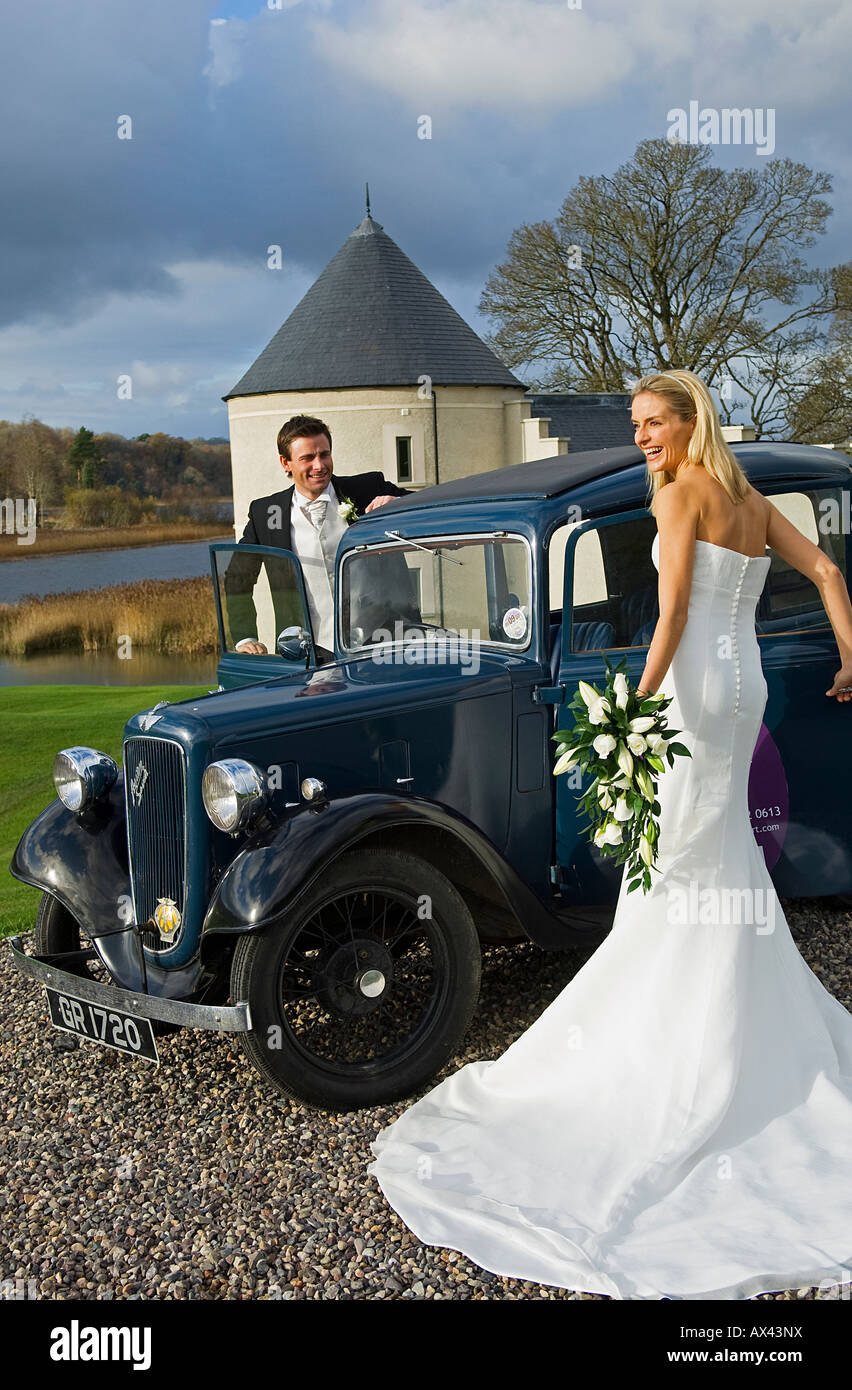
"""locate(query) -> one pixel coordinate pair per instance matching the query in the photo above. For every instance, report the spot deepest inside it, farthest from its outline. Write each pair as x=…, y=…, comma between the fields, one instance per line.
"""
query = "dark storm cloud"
x=262, y=131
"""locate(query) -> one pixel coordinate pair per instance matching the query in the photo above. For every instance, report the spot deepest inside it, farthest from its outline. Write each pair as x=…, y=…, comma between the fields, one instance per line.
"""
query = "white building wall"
x=473, y=422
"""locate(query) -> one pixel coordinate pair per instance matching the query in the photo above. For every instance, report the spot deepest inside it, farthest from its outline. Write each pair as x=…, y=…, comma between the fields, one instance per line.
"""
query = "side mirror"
x=294, y=644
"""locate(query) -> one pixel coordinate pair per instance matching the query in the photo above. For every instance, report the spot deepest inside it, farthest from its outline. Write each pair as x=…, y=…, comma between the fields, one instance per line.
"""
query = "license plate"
x=102, y=1024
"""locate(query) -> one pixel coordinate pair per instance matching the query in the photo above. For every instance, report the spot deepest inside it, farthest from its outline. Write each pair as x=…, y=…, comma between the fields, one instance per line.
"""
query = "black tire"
x=319, y=983
x=56, y=931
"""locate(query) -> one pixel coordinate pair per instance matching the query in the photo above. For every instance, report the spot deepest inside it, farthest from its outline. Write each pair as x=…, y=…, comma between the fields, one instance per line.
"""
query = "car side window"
x=615, y=585
x=789, y=601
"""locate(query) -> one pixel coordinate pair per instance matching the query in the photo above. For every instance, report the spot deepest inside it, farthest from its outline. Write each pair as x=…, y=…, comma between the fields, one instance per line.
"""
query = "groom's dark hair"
x=300, y=427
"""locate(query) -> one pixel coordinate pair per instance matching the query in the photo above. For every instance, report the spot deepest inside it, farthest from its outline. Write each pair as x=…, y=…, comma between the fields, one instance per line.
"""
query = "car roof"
x=550, y=477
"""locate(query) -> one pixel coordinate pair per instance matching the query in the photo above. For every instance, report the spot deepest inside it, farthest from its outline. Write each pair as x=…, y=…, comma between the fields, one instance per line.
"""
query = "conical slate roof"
x=372, y=319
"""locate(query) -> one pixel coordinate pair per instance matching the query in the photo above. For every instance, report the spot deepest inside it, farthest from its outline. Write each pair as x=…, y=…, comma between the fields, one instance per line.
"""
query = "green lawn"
x=35, y=722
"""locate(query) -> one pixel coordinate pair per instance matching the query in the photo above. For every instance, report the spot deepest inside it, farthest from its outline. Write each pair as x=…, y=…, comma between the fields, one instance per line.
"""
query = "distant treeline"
x=39, y=461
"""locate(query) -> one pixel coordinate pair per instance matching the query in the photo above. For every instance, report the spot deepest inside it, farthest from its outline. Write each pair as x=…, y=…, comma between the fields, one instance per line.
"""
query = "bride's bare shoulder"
x=682, y=496
x=677, y=508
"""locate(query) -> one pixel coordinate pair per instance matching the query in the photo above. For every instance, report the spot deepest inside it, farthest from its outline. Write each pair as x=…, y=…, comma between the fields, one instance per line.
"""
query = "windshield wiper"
x=430, y=550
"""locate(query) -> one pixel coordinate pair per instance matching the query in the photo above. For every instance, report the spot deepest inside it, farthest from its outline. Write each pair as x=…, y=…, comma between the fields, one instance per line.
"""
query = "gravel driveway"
x=197, y=1181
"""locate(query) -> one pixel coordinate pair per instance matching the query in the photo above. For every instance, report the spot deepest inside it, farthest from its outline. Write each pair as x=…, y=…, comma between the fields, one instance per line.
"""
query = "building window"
x=403, y=458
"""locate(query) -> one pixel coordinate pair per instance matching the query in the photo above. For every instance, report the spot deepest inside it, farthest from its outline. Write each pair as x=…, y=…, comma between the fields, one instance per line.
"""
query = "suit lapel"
x=341, y=495
x=286, y=541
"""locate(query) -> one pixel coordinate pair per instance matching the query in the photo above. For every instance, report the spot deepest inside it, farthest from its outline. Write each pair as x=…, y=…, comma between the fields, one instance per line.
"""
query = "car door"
x=259, y=591
x=802, y=768
x=609, y=607
x=802, y=764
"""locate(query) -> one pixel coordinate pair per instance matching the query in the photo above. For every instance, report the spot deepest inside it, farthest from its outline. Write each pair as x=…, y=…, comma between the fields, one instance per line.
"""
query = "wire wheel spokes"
x=362, y=979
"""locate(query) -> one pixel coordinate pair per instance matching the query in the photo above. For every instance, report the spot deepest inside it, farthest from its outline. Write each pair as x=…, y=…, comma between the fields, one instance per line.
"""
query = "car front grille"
x=155, y=794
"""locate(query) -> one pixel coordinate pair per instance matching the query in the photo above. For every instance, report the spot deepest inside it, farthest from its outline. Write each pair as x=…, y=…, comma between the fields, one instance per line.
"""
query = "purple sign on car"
x=768, y=797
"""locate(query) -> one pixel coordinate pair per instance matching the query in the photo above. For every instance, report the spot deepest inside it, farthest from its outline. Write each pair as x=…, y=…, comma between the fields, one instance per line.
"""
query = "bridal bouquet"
x=622, y=739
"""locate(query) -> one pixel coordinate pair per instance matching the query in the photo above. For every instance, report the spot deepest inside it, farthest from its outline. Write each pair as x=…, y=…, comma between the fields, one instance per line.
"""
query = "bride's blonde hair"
x=689, y=398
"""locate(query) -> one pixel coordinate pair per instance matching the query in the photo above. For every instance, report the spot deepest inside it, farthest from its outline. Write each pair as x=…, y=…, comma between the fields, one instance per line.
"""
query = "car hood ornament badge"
x=167, y=918
x=152, y=717
x=137, y=783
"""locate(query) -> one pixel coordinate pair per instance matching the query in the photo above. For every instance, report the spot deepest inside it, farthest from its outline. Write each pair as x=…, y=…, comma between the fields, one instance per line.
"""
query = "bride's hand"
x=842, y=687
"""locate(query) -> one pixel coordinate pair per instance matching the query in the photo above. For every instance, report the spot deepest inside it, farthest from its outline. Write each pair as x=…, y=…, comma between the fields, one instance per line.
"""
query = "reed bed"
x=164, y=615
x=54, y=540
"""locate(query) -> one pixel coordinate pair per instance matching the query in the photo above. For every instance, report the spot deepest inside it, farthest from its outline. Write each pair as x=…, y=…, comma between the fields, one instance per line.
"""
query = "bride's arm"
x=800, y=553
x=677, y=511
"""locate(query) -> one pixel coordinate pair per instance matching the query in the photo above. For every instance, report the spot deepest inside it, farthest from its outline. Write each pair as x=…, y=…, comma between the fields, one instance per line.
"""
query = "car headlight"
x=81, y=775
x=234, y=793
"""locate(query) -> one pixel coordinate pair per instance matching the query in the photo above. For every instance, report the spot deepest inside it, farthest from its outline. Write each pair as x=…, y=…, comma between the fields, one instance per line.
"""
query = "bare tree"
x=670, y=262
x=818, y=395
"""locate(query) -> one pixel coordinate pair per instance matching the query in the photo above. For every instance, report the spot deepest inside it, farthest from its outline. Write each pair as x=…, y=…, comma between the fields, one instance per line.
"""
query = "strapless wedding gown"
x=678, y=1122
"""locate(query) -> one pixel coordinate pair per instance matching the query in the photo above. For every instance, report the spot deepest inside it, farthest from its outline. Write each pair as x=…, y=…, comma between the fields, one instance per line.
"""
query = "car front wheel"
x=366, y=988
x=57, y=933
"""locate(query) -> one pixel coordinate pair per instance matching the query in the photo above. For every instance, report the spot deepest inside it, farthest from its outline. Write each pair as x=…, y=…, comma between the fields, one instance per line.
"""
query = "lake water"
x=94, y=668
x=95, y=569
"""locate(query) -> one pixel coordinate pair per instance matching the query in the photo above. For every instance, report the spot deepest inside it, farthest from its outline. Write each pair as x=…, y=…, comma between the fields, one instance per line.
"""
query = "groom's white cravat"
x=314, y=535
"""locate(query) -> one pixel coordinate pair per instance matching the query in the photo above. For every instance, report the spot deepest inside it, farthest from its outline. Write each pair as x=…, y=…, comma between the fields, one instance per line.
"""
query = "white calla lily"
x=622, y=811
x=644, y=783
x=604, y=744
x=621, y=689
x=599, y=712
x=625, y=760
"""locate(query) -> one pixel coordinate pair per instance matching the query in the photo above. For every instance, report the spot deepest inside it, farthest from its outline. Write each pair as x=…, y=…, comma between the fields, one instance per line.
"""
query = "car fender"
x=81, y=860
x=269, y=875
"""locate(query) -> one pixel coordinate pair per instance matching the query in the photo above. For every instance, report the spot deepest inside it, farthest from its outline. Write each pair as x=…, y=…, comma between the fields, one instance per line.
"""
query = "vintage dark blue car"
x=312, y=856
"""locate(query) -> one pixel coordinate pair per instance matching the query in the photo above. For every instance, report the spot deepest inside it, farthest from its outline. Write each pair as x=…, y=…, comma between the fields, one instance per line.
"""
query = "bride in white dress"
x=678, y=1122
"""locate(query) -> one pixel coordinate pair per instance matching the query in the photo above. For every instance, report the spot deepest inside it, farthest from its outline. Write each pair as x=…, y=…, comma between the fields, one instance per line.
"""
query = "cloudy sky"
x=257, y=123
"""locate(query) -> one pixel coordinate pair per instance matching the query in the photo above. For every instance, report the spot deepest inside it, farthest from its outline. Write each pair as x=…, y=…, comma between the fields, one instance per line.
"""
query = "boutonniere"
x=347, y=510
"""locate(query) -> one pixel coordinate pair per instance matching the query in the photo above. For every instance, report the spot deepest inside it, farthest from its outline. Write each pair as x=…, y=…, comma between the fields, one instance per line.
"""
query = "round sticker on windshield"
x=514, y=624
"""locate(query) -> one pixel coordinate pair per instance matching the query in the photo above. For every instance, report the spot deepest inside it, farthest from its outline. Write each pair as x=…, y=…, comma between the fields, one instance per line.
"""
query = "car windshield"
x=474, y=587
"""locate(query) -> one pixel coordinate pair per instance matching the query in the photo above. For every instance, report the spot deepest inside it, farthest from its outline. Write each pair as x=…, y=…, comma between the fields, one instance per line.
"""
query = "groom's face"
x=309, y=464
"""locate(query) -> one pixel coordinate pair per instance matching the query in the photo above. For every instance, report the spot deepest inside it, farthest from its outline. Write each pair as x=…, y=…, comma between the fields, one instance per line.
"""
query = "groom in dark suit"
x=305, y=519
